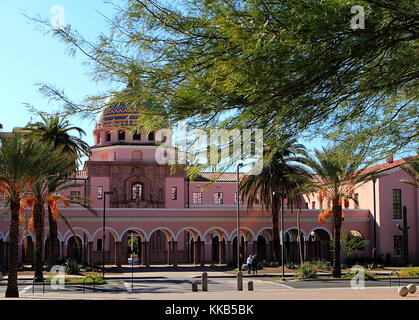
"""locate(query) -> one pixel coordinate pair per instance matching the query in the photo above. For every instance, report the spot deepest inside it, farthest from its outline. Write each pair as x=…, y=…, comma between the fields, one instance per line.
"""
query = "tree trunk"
x=276, y=250
x=39, y=242
x=300, y=248
x=53, y=238
x=337, y=218
x=12, y=289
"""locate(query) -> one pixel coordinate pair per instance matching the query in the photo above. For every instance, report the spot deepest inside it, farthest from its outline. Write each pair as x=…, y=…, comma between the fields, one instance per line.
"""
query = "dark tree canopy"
x=292, y=65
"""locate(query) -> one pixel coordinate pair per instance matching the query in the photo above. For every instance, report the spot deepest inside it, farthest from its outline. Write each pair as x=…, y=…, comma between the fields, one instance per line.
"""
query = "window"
x=75, y=195
x=197, y=198
x=151, y=136
x=100, y=192
x=218, y=197
x=121, y=135
x=356, y=197
x=108, y=136
x=99, y=244
x=174, y=193
x=235, y=198
x=398, y=245
x=137, y=191
x=313, y=205
x=397, y=204
x=136, y=135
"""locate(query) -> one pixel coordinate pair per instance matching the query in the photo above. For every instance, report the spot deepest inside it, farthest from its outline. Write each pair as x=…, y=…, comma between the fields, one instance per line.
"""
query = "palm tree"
x=18, y=167
x=52, y=167
x=335, y=176
x=411, y=167
x=281, y=172
x=57, y=130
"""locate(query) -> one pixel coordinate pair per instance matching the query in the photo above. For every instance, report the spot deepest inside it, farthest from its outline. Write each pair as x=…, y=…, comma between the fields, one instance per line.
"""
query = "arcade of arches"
x=188, y=246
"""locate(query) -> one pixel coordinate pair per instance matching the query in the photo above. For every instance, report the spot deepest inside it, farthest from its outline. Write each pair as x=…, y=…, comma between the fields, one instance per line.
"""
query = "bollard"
x=239, y=281
x=403, y=291
x=195, y=286
x=411, y=288
x=250, y=286
x=204, y=281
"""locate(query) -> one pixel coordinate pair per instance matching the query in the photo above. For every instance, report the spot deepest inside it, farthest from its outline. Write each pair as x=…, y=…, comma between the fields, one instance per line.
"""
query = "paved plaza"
x=221, y=286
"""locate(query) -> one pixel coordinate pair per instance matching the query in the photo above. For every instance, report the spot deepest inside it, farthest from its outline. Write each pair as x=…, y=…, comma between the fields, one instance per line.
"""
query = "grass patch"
x=368, y=276
x=86, y=280
x=410, y=272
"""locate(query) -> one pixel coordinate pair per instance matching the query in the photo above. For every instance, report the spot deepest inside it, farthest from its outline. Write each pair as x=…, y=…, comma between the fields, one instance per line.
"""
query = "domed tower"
x=123, y=160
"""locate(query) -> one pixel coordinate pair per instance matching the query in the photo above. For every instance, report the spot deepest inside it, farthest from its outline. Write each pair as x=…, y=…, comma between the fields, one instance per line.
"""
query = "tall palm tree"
x=411, y=167
x=57, y=131
x=281, y=172
x=18, y=167
x=52, y=168
x=336, y=174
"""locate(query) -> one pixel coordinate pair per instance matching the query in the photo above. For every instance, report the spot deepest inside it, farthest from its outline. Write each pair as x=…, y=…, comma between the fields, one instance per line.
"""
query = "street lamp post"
x=103, y=232
x=238, y=216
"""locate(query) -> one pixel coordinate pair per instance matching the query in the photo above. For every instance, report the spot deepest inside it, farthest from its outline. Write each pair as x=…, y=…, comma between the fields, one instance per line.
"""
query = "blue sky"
x=28, y=56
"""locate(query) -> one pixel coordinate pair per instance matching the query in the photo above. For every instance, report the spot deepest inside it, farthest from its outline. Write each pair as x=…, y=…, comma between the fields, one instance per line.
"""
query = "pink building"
x=178, y=221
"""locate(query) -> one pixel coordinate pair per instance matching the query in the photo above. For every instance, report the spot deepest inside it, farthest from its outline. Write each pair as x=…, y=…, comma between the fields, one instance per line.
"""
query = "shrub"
x=410, y=272
x=321, y=265
x=72, y=267
x=307, y=270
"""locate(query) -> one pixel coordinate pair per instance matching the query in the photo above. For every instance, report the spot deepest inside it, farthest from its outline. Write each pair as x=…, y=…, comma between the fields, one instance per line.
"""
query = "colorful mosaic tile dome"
x=119, y=111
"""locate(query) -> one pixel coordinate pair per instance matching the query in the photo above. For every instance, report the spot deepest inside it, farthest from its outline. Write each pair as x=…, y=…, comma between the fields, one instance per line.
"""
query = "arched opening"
x=243, y=249
x=318, y=247
x=159, y=248
x=261, y=248
x=151, y=136
x=292, y=246
x=133, y=247
x=47, y=249
x=189, y=247
x=137, y=191
x=28, y=251
x=75, y=249
x=218, y=250
x=104, y=248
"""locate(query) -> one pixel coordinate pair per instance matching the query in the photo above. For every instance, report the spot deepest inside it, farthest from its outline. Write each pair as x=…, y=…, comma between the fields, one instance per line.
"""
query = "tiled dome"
x=118, y=112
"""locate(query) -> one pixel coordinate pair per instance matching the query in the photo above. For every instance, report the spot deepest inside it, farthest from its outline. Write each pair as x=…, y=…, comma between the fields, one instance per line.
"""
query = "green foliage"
x=295, y=65
x=135, y=244
x=307, y=270
x=321, y=265
x=352, y=243
x=72, y=267
x=410, y=272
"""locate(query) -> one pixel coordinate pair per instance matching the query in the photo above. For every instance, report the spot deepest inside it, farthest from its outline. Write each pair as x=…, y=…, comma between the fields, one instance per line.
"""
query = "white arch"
x=115, y=233
x=260, y=232
x=72, y=235
x=216, y=228
x=301, y=230
x=28, y=235
x=198, y=233
x=59, y=236
x=65, y=237
x=141, y=231
x=320, y=228
x=234, y=233
x=162, y=229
